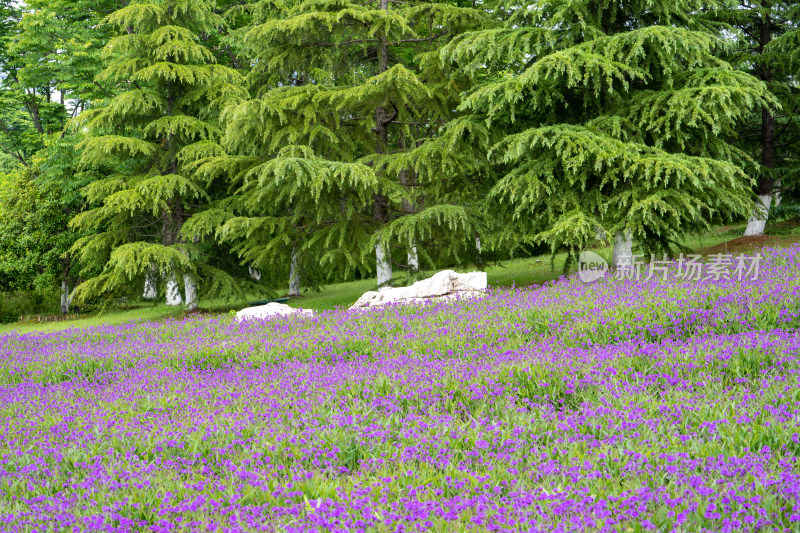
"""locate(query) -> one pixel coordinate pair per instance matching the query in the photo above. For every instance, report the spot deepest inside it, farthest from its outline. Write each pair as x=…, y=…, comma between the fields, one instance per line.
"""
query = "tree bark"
x=766, y=184
x=65, y=299
x=413, y=260
x=758, y=222
x=382, y=121
x=294, y=274
x=622, y=256
x=384, y=266
x=190, y=289
x=173, y=290
x=409, y=208
x=150, y=285
x=170, y=226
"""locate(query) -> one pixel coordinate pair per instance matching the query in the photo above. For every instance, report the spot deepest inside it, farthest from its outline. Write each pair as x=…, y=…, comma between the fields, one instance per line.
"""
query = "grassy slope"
x=517, y=272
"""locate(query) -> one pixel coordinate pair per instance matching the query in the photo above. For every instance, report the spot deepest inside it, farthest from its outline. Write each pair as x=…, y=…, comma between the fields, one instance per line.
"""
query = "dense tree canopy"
x=162, y=120
x=50, y=59
x=765, y=34
x=327, y=156
x=185, y=147
x=617, y=121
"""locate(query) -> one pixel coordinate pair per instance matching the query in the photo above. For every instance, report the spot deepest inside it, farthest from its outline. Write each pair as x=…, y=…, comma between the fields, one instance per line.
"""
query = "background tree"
x=49, y=58
x=326, y=156
x=34, y=234
x=771, y=134
x=163, y=119
x=609, y=115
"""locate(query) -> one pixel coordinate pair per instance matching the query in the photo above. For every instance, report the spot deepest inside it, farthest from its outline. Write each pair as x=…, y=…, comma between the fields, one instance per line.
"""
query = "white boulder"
x=446, y=284
x=270, y=310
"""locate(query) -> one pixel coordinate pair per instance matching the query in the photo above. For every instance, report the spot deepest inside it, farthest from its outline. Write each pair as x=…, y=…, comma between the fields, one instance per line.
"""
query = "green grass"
x=518, y=272
x=115, y=317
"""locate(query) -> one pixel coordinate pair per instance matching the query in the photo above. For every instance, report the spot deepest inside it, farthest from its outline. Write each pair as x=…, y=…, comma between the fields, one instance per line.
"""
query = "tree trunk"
x=384, y=266
x=622, y=256
x=173, y=290
x=766, y=185
x=171, y=225
x=407, y=180
x=255, y=273
x=150, y=285
x=757, y=222
x=413, y=260
x=65, y=299
x=382, y=121
x=294, y=274
x=190, y=289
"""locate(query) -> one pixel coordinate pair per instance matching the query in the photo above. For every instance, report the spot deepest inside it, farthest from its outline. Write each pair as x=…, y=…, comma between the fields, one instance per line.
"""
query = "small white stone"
x=270, y=310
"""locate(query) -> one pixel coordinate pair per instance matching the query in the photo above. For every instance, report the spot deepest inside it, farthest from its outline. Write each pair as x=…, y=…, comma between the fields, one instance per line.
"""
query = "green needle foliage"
x=767, y=38
x=607, y=115
x=328, y=160
x=163, y=120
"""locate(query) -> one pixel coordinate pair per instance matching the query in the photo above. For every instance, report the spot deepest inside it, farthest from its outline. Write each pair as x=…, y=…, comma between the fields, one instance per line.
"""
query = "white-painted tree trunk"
x=622, y=255
x=173, y=290
x=294, y=275
x=150, y=285
x=65, y=298
x=757, y=222
x=384, y=265
x=413, y=259
x=190, y=288
x=478, y=244
x=255, y=273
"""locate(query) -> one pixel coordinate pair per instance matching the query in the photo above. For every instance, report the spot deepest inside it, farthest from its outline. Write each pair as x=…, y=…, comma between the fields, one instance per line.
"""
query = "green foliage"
x=208, y=137
x=14, y=305
x=147, y=137
x=49, y=55
x=34, y=215
x=331, y=154
x=616, y=122
x=766, y=37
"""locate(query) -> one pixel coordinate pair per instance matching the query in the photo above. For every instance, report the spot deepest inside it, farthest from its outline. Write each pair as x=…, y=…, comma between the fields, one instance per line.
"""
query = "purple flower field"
x=614, y=406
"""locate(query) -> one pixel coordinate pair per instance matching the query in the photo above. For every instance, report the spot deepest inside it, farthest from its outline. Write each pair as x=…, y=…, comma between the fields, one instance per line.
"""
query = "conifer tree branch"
x=344, y=43
x=422, y=39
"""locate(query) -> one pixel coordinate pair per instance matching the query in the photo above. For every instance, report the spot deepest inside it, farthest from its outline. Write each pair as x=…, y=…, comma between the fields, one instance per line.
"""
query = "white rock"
x=447, y=283
x=270, y=310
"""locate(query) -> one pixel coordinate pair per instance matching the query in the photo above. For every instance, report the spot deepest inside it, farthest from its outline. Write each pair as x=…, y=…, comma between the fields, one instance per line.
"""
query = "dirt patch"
x=750, y=244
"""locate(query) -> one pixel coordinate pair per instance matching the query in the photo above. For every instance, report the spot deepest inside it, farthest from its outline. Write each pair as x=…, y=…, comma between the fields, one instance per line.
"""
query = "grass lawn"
x=518, y=272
